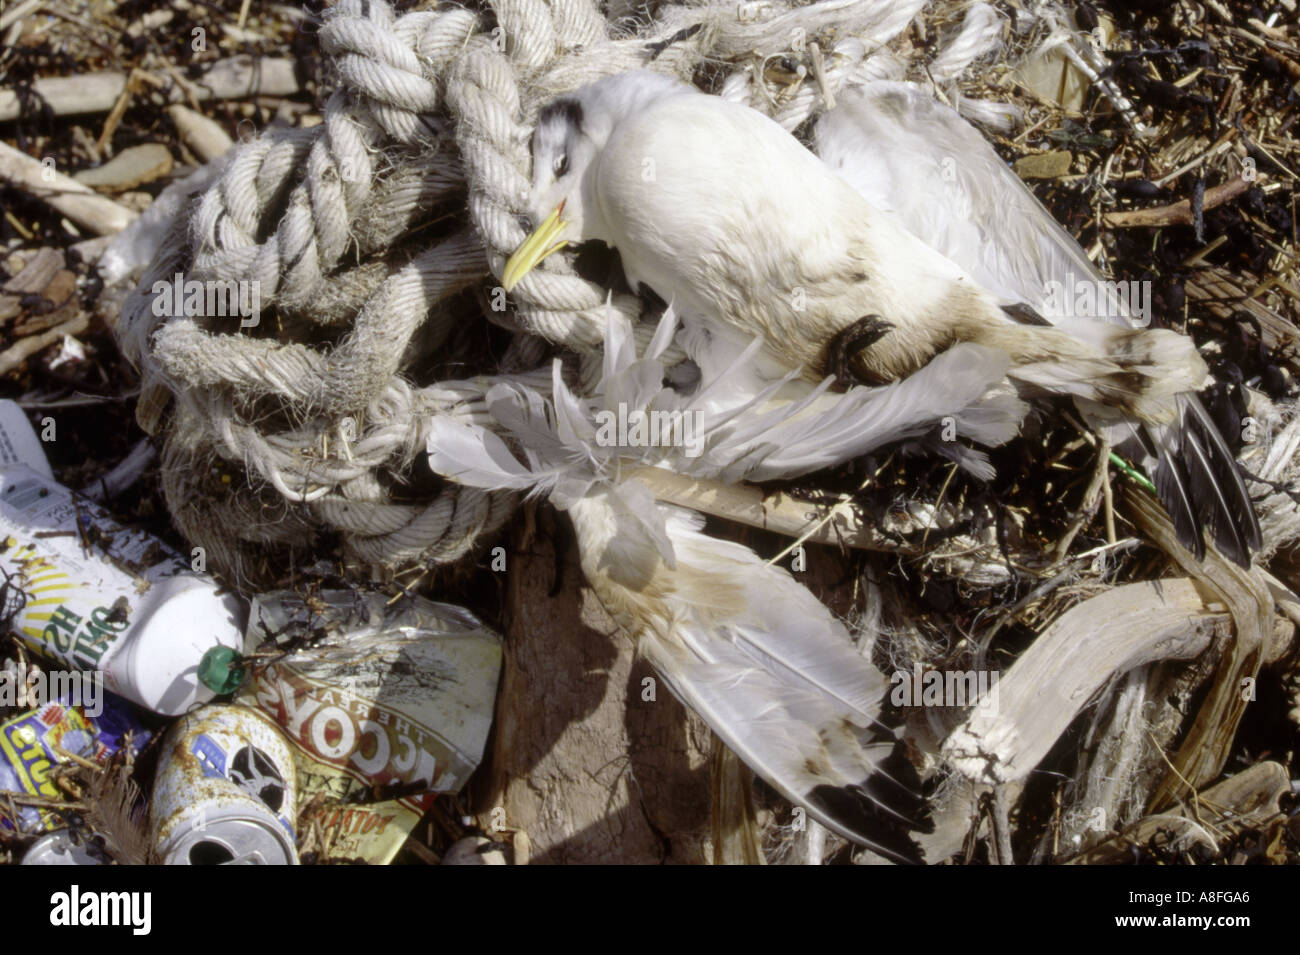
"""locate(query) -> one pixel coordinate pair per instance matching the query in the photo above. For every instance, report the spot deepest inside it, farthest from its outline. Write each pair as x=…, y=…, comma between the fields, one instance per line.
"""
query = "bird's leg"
x=846, y=344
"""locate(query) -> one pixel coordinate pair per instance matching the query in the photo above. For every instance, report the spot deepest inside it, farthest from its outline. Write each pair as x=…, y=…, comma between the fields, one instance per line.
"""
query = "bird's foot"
x=846, y=344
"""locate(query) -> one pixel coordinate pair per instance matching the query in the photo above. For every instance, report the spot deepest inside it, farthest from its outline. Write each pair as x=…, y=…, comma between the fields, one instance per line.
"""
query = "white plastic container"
x=100, y=598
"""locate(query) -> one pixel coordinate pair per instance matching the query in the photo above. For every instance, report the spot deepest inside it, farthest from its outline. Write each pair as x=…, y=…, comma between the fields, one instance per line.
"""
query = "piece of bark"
x=37, y=273
x=79, y=203
x=40, y=321
x=581, y=761
x=1056, y=677
x=237, y=77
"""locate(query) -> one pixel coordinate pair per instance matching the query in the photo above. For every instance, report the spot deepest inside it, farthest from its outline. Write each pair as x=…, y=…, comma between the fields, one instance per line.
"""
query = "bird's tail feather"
x=1136, y=370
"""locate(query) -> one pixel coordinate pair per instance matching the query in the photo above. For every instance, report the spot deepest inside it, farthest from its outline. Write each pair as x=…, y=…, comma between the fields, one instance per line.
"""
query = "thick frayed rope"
x=316, y=401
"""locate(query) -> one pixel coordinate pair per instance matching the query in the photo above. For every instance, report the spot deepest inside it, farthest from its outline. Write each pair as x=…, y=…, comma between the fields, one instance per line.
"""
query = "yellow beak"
x=543, y=241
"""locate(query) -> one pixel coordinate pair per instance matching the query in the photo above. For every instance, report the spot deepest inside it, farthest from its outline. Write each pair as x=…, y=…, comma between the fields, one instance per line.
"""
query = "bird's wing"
x=1195, y=474
x=787, y=436
x=907, y=153
x=764, y=663
x=904, y=150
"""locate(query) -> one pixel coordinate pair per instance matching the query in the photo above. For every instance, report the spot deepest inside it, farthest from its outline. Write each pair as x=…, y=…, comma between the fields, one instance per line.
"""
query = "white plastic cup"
x=125, y=606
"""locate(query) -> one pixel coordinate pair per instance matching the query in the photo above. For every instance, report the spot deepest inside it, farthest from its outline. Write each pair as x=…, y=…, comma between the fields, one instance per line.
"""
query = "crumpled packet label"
x=379, y=700
x=27, y=752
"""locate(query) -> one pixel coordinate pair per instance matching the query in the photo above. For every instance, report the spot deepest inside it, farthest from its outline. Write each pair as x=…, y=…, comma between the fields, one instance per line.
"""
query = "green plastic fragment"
x=1132, y=472
x=221, y=670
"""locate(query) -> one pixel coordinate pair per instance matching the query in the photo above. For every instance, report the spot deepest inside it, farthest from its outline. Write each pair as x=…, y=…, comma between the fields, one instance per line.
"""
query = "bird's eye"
x=561, y=166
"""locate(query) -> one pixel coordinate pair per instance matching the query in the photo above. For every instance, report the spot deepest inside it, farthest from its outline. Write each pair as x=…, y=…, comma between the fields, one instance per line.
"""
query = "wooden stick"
x=24, y=348
x=1204, y=750
x=18, y=12
x=79, y=203
x=1178, y=213
x=777, y=512
x=1246, y=800
x=235, y=78
x=42, y=802
x=203, y=135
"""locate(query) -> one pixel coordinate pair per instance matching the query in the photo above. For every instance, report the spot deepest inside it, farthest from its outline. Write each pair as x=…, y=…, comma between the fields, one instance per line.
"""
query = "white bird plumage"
x=742, y=643
x=945, y=184
x=767, y=254
x=714, y=206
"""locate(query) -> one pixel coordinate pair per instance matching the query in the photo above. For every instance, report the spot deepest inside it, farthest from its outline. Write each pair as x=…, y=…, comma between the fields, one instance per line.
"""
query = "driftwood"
x=203, y=135
x=778, y=512
x=234, y=78
x=132, y=167
x=24, y=348
x=79, y=203
x=37, y=272
x=1248, y=800
x=1052, y=681
x=1246, y=594
x=580, y=762
x=43, y=274
x=1177, y=213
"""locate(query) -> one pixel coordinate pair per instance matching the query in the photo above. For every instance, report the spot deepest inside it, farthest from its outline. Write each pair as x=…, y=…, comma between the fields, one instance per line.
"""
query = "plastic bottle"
x=94, y=597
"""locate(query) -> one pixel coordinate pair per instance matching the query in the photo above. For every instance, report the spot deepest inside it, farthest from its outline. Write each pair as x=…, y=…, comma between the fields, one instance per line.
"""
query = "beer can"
x=62, y=847
x=225, y=791
x=385, y=703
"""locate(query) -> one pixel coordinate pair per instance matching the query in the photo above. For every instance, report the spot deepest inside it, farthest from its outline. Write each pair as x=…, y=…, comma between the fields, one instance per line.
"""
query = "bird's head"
x=571, y=132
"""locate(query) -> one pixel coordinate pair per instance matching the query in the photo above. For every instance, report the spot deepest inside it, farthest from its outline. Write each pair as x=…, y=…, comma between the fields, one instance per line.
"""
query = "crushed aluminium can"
x=385, y=705
x=95, y=597
x=62, y=847
x=225, y=791
x=28, y=748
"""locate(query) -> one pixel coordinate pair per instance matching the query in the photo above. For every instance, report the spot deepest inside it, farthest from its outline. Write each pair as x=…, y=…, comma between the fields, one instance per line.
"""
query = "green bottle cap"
x=220, y=670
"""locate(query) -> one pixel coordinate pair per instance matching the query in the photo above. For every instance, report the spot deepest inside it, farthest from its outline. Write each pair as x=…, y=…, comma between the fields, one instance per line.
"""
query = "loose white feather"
x=763, y=662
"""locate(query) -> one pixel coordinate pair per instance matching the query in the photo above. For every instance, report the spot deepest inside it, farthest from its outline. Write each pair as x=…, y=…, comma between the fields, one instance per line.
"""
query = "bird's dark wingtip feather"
x=1218, y=485
x=1173, y=488
x=881, y=812
x=1201, y=487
